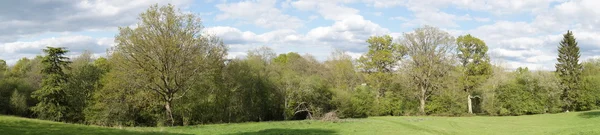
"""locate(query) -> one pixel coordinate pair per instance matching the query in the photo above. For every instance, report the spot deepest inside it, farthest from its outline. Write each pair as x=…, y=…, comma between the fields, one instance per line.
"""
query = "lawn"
x=564, y=123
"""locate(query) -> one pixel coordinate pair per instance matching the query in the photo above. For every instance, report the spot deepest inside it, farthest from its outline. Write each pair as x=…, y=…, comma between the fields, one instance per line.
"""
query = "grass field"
x=564, y=123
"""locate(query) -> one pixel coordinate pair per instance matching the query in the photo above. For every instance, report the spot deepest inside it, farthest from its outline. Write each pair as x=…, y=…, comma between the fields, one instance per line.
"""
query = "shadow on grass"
x=590, y=114
x=278, y=131
x=26, y=127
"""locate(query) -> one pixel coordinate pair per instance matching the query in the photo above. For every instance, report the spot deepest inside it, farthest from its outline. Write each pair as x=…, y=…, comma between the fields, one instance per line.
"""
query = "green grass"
x=10, y=125
x=546, y=124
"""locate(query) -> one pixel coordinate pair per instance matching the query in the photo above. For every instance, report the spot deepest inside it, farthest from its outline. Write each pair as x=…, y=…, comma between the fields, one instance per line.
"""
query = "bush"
x=447, y=103
x=18, y=103
x=388, y=105
x=359, y=103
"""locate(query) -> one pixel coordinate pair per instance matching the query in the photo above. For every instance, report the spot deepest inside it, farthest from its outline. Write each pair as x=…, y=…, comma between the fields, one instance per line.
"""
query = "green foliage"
x=589, y=92
x=357, y=103
x=53, y=103
x=18, y=103
x=392, y=104
x=298, y=78
x=472, y=53
x=167, y=54
x=569, y=70
x=528, y=94
x=383, y=55
x=550, y=91
x=3, y=68
x=341, y=72
x=254, y=97
x=15, y=90
x=84, y=77
x=429, y=50
x=449, y=99
x=20, y=68
x=381, y=61
x=117, y=103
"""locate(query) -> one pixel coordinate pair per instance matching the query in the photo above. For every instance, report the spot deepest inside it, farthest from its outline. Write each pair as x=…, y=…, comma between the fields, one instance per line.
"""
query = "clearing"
x=563, y=123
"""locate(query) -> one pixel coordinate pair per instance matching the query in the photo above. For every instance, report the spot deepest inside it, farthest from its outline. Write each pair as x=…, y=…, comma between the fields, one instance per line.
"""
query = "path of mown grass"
x=564, y=123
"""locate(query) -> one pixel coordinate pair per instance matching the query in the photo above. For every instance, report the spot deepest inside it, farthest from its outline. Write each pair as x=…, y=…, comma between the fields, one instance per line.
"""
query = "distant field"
x=564, y=123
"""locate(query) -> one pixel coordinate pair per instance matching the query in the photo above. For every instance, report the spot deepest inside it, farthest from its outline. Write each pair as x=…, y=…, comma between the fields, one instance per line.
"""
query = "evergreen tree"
x=52, y=101
x=569, y=69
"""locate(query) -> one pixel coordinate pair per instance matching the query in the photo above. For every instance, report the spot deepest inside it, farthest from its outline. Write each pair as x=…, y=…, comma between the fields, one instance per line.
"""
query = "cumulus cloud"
x=331, y=10
x=498, y=7
x=261, y=13
x=32, y=18
x=435, y=18
x=75, y=44
x=316, y=27
x=535, y=43
x=29, y=17
x=349, y=34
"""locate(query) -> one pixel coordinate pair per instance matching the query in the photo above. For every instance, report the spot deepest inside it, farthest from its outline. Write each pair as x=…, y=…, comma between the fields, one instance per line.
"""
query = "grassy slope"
x=565, y=123
x=10, y=125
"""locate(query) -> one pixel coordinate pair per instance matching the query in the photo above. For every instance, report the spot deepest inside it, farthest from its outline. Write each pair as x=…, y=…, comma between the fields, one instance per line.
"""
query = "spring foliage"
x=166, y=71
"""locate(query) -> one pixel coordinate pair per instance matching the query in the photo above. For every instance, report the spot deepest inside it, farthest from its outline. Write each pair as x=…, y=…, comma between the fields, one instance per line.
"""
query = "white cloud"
x=399, y=18
x=261, y=13
x=377, y=13
x=498, y=7
x=355, y=30
x=76, y=44
x=348, y=34
x=435, y=18
x=481, y=19
x=29, y=17
x=330, y=10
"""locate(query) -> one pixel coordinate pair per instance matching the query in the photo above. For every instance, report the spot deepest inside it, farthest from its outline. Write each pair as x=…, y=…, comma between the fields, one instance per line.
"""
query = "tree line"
x=166, y=72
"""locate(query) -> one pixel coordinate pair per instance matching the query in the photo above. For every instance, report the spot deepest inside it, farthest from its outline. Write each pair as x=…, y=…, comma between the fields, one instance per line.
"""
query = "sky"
x=519, y=33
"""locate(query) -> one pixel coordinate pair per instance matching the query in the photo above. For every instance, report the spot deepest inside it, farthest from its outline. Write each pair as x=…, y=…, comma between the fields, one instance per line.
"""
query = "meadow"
x=543, y=124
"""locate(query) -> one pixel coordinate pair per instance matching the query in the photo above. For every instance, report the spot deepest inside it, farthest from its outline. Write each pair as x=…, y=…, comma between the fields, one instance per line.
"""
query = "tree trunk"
x=422, y=99
x=169, y=113
x=470, y=104
x=422, y=106
x=284, y=108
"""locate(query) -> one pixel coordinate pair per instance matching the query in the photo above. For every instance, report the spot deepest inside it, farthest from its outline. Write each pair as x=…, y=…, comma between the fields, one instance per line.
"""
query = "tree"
x=472, y=53
x=429, y=50
x=380, y=61
x=299, y=81
x=83, y=79
x=167, y=53
x=345, y=82
x=569, y=69
x=342, y=74
x=53, y=103
x=20, y=68
x=383, y=55
x=18, y=103
x=3, y=68
x=589, y=94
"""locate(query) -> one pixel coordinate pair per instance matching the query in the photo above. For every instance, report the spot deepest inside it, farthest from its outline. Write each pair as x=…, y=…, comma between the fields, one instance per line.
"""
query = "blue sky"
x=519, y=33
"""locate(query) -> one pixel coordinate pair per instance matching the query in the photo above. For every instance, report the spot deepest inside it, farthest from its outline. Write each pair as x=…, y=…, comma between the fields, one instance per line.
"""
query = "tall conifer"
x=569, y=69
